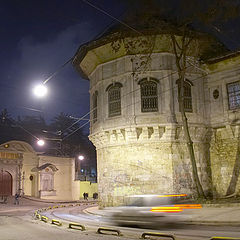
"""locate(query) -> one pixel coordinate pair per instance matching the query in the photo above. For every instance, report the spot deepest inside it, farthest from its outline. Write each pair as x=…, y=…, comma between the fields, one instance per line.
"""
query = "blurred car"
x=151, y=210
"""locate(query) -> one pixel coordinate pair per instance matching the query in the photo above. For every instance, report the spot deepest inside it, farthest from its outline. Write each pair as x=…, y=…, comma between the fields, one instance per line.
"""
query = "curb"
x=56, y=201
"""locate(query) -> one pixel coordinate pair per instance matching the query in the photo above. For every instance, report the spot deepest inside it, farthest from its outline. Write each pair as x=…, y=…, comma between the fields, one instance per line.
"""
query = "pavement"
x=217, y=214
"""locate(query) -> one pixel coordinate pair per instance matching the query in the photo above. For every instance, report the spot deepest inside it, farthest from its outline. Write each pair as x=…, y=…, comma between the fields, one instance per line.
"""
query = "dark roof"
x=145, y=22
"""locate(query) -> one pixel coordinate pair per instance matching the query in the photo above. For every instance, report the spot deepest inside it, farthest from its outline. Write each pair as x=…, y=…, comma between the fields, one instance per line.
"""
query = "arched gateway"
x=5, y=183
x=11, y=166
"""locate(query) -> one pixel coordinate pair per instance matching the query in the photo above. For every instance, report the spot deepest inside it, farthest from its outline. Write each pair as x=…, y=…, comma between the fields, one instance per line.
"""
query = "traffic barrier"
x=56, y=222
x=76, y=226
x=101, y=231
x=54, y=207
x=156, y=234
x=224, y=238
x=44, y=219
x=49, y=208
x=38, y=216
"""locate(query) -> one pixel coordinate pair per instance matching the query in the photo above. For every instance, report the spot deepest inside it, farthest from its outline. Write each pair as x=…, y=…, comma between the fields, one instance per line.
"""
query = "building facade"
x=24, y=171
x=136, y=123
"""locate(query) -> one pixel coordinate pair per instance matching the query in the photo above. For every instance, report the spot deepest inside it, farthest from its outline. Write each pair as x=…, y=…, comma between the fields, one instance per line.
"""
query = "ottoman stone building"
x=136, y=124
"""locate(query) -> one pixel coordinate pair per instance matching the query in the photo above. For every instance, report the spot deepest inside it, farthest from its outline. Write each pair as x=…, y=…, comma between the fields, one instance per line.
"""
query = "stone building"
x=136, y=124
x=32, y=174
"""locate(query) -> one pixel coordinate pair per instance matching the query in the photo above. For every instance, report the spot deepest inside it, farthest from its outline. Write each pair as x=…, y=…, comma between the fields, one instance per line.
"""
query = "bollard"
x=76, y=226
x=56, y=222
x=102, y=229
x=156, y=234
x=44, y=219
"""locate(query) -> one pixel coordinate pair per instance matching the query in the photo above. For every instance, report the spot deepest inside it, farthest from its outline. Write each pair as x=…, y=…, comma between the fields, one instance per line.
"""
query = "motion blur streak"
x=166, y=209
x=173, y=195
x=189, y=206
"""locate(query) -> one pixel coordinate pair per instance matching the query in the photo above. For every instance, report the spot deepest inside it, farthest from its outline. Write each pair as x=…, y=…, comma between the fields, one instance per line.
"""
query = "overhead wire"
x=62, y=66
x=109, y=15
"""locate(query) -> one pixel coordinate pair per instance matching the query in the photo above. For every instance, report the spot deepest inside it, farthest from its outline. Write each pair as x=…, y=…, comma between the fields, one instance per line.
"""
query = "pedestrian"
x=17, y=199
x=84, y=195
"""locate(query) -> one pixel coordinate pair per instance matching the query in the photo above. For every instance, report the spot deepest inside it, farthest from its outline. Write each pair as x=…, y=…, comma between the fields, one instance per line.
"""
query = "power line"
x=58, y=70
x=109, y=15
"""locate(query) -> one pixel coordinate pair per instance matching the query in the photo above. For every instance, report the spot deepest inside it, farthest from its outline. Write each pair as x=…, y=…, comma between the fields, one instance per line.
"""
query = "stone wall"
x=139, y=152
x=142, y=163
x=225, y=159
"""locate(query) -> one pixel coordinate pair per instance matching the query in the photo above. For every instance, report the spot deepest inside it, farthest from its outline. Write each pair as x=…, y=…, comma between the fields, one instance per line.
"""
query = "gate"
x=5, y=183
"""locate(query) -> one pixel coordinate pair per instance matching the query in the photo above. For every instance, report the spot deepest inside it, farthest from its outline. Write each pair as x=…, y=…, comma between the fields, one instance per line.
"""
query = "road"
x=17, y=222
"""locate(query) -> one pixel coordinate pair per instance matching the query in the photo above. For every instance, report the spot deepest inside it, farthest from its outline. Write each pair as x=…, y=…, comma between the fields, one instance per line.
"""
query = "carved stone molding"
x=146, y=134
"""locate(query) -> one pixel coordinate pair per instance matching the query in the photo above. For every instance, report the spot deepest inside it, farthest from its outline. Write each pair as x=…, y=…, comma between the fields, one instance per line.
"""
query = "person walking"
x=17, y=199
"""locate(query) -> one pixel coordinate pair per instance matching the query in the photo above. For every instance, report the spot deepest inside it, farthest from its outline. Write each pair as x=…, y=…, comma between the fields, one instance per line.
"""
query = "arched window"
x=149, y=95
x=114, y=99
x=187, y=94
x=94, y=106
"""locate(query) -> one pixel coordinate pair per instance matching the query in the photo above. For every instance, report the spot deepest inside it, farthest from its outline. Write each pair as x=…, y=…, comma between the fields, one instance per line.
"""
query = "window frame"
x=95, y=107
x=237, y=106
x=114, y=104
x=186, y=98
x=151, y=100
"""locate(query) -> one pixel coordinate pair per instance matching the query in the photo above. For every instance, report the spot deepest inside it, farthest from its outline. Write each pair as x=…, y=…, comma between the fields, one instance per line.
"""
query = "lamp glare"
x=40, y=142
x=40, y=90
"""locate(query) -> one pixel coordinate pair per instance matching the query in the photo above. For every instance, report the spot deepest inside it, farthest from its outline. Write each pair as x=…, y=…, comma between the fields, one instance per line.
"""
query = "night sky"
x=37, y=37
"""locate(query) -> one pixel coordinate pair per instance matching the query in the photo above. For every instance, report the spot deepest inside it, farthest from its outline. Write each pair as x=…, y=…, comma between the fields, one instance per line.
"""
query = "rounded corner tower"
x=136, y=124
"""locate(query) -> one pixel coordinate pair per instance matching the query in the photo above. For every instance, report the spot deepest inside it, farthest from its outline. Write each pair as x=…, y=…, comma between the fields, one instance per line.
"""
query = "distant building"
x=29, y=173
x=136, y=124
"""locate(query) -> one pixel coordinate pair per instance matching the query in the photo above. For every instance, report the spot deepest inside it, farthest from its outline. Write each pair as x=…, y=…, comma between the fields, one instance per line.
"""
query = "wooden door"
x=5, y=183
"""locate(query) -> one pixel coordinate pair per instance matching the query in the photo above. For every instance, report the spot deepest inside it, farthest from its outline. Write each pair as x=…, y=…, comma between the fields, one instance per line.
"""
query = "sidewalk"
x=215, y=215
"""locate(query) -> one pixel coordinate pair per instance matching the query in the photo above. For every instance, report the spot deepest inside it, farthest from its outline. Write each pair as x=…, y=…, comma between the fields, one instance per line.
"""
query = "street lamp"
x=81, y=157
x=40, y=142
x=40, y=90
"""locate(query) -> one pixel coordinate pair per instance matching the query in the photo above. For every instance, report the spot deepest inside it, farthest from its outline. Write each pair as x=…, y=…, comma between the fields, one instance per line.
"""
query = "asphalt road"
x=17, y=222
x=181, y=231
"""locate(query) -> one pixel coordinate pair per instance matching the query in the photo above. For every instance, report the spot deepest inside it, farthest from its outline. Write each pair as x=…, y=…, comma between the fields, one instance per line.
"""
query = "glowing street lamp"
x=40, y=90
x=40, y=142
x=80, y=157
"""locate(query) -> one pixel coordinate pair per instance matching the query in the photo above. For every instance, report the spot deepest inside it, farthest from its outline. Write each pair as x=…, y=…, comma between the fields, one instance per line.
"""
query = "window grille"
x=187, y=95
x=233, y=90
x=149, y=96
x=94, y=99
x=114, y=100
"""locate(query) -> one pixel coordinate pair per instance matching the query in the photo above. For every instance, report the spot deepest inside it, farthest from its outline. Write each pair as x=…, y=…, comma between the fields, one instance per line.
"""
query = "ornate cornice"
x=146, y=134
